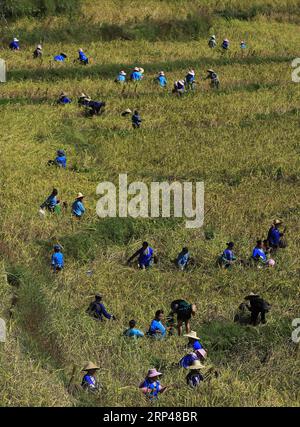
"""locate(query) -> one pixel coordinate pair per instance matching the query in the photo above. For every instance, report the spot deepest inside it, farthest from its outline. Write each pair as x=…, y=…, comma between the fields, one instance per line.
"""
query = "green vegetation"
x=243, y=141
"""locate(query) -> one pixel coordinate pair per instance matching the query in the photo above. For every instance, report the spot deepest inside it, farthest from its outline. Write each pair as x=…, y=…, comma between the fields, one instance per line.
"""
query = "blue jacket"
x=57, y=260
x=258, y=253
x=78, y=208
x=225, y=45
x=50, y=202
x=132, y=332
x=82, y=57
x=64, y=100
x=98, y=310
x=274, y=236
x=157, y=326
x=228, y=255
x=89, y=382
x=59, y=58
x=136, y=119
x=189, y=78
x=136, y=76
x=162, y=81
x=183, y=259
x=121, y=78
x=14, y=45
x=61, y=161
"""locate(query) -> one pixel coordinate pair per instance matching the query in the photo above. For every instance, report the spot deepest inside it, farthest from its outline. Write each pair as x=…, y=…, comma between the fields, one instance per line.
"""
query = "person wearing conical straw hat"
x=78, y=208
x=213, y=77
x=161, y=79
x=89, y=381
x=84, y=100
x=258, y=306
x=195, y=376
x=179, y=87
x=212, y=42
x=275, y=236
x=151, y=386
x=38, y=52
x=225, y=44
x=193, y=341
x=14, y=45
x=190, y=79
x=184, y=311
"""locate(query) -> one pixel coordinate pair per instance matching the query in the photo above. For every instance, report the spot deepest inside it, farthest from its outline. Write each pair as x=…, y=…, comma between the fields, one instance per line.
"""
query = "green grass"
x=242, y=141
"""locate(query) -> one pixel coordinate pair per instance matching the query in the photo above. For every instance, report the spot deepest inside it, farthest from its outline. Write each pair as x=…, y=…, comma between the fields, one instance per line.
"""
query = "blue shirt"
x=259, y=253
x=162, y=81
x=145, y=256
x=50, y=203
x=61, y=161
x=77, y=208
x=64, y=100
x=190, y=78
x=182, y=259
x=229, y=255
x=243, y=46
x=121, y=78
x=188, y=360
x=82, y=56
x=59, y=58
x=155, y=326
x=225, y=45
x=132, y=332
x=98, y=310
x=154, y=388
x=14, y=45
x=136, y=76
x=89, y=381
x=197, y=345
x=57, y=260
x=274, y=236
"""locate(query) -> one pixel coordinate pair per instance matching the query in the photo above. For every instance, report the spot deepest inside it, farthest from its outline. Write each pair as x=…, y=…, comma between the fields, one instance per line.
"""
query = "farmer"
x=96, y=108
x=145, y=256
x=257, y=306
x=275, y=235
x=51, y=201
x=97, y=309
x=190, y=79
x=161, y=79
x=184, y=312
x=183, y=259
x=60, y=159
x=195, y=376
x=57, y=259
x=14, y=45
x=121, y=77
x=84, y=100
x=243, y=45
x=60, y=58
x=38, y=52
x=225, y=44
x=157, y=329
x=214, y=79
x=151, y=386
x=83, y=59
x=212, y=42
x=136, y=120
x=89, y=381
x=190, y=358
x=64, y=99
x=78, y=208
x=179, y=87
x=258, y=253
x=228, y=258
x=132, y=331
x=194, y=341
x=136, y=75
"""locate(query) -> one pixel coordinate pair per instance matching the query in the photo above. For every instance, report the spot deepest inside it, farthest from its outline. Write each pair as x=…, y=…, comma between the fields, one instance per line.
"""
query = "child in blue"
x=60, y=58
x=183, y=259
x=121, y=77
x=132, y=331
x=82, y=57
x=145, y=256
x=157, y=329
x=161, y=79
x=136, y=120
x=64, y=99
x=57, y=259
x=78, y=208
x=225, y=44
x=14, y=45
x=61, y=159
